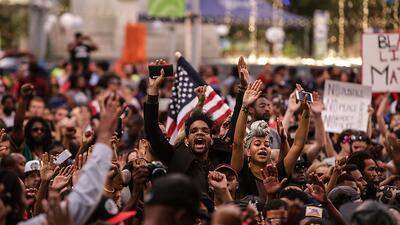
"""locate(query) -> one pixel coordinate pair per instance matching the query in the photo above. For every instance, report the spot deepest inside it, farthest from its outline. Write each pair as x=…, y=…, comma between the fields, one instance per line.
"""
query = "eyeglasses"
x=37, y=129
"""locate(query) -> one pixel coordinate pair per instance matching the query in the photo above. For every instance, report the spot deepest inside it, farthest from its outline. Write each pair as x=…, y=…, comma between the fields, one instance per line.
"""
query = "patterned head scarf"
x=257, y=129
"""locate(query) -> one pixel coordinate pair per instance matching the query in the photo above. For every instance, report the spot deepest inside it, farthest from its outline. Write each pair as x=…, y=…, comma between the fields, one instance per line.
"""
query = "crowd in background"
x=85, y=143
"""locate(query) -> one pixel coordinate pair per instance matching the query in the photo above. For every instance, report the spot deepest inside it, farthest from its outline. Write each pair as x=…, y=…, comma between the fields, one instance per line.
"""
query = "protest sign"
x=346, y=106
x=381, y=61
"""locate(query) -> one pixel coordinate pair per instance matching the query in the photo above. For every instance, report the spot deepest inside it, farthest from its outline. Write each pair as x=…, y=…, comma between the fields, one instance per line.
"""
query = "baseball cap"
x=175, y=190
x=228, y=168
x=122, y=216
x=108, y=211
x=343, y=194
x=33, y=165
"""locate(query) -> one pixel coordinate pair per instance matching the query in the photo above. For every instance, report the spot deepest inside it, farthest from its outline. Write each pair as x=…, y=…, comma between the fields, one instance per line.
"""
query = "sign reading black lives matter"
x=346, y=106
x=381, y=61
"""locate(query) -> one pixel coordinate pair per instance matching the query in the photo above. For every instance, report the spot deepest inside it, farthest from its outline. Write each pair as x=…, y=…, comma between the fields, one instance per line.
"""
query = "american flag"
x=184, y=100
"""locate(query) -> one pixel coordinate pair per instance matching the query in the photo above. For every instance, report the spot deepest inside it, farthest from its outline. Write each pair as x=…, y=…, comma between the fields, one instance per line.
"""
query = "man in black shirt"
x=193, y=156
x=79, y=51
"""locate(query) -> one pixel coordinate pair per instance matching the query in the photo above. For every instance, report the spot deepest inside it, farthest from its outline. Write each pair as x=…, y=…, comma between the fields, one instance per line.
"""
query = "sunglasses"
x=36, y=129
x=358, y=138
x=300, y=167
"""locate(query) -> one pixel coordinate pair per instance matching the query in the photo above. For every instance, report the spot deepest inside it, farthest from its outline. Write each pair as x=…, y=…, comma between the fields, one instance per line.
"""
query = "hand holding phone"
x=301, y=95
x=155, y=70
x=62, y=157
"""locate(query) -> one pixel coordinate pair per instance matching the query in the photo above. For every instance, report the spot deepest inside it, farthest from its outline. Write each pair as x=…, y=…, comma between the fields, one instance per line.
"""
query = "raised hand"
x=317, y=106
x=243, y=72
x=253, y=91
x=371, y=111
x=217, y=181
x=87, y=137
x=306, y=108
x=48, y=168
x=4, y=149
x=270, y=179
x=63, y=178
x=154, y=84
x=109, y=114
x=293, y=105
x=55, y=214
x=27, y=91
x=392, y=145
x=280, y=128
x=114, y=142
x=317, y=189
x=201, y=93
x=140, y=175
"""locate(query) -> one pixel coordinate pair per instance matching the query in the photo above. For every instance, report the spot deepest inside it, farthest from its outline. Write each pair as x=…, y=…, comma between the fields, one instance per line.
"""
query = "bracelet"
x=245, y=109
x=109, y=191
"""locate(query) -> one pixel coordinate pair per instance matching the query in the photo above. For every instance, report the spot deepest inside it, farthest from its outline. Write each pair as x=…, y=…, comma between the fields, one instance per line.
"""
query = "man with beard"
x=191, y=156
x=261, y=110
x=37, y=138
x=356, y=174
x=8, y=110
x=367, y=166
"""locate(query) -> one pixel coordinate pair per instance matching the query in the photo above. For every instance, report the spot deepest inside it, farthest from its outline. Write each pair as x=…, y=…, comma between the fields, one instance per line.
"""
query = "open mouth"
x=199, y=143
x=263, y=153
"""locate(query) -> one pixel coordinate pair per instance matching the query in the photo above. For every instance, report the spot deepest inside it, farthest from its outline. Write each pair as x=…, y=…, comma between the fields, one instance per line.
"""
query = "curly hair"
x=198, y=115
x=47, y=140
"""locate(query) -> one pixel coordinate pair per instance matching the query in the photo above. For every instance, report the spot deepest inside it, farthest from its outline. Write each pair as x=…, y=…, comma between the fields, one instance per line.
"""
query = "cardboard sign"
x=381, y=61
x=346, y=106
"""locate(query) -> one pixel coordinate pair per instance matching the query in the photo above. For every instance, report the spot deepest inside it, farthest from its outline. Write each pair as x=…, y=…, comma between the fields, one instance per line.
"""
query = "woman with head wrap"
x=254, y=174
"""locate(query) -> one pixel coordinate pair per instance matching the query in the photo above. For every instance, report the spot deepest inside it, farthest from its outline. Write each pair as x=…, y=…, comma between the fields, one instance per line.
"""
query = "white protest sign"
x=346, y=106
x=381, y=61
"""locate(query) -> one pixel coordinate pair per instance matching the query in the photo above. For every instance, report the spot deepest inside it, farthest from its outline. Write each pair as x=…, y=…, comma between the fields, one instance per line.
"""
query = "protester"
x=101, y=147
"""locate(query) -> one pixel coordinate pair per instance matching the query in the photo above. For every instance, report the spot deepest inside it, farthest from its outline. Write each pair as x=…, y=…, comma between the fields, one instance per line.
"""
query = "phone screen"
x=155, y=70
x=300, y=95
x=62, y=157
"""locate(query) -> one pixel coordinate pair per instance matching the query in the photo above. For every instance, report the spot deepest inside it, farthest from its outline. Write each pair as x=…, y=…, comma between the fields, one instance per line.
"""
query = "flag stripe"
x=171, y=126
x=184, y=100
x=222, y=118
x=216, y=107
x=210, y=96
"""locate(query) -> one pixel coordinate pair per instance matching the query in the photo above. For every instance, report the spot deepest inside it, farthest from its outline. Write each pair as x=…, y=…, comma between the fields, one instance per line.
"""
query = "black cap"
x=175, y=190
x=106, y=209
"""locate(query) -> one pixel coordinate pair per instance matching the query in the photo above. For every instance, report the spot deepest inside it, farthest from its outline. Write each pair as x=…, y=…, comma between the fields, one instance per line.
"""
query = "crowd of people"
x=83, y=143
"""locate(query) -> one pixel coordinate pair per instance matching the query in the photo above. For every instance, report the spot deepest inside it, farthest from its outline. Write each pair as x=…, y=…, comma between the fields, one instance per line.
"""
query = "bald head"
x=14, y=162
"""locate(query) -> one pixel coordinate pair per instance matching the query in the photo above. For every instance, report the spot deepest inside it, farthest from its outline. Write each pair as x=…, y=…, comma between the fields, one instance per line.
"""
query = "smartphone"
x=119, y=130
x=155, y=70
x=313, y=211
x=300, y=95
x=62, y=157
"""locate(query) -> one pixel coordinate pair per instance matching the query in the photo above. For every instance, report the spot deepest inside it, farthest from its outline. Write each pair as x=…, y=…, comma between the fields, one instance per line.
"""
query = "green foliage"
x=13, y=25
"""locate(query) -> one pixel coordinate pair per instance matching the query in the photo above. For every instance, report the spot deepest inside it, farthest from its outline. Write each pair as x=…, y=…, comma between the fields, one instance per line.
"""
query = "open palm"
x=63, y=178
x=270, y=179
x=48, y=168
x=252, y=93
x=243, y=72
